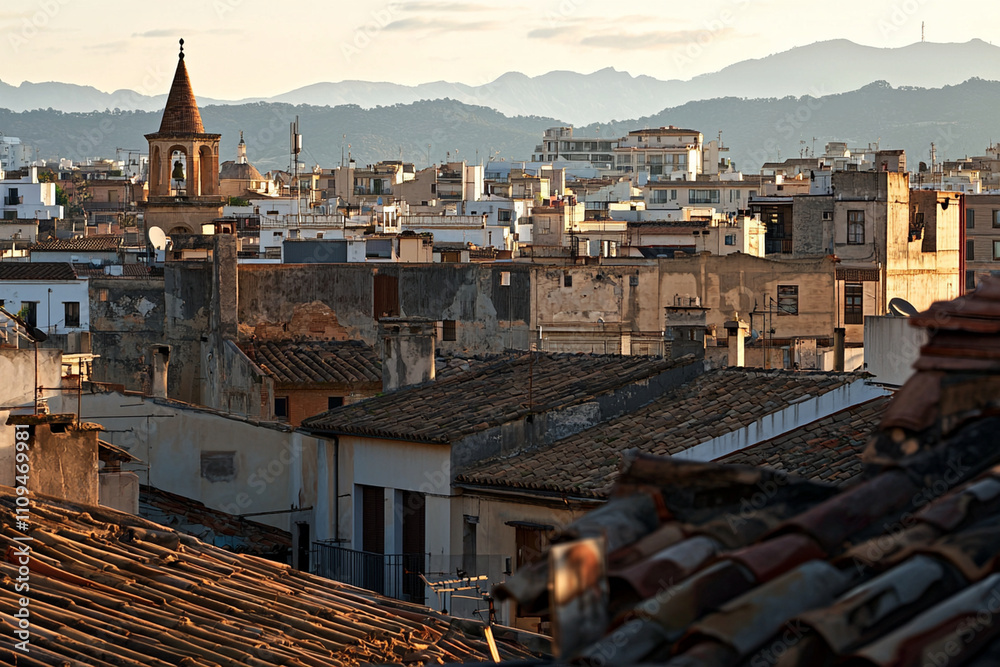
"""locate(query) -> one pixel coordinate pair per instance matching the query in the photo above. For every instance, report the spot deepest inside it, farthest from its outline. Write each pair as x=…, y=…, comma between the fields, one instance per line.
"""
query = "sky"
x=258, y=48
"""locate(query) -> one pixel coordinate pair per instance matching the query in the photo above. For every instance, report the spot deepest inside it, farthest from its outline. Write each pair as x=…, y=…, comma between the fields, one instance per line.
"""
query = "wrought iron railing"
x=394, y=575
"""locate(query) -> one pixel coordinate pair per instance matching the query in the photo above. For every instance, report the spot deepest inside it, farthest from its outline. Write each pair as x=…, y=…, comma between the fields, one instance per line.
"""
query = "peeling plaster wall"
x=489, y=315
x=17, y=368
x=234, y=383
x=126, y=318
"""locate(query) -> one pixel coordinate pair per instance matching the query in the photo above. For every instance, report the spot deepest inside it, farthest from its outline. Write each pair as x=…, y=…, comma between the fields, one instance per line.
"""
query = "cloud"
x=161, y=32
x=441, y=25
x=620, y=35
x=644, y=41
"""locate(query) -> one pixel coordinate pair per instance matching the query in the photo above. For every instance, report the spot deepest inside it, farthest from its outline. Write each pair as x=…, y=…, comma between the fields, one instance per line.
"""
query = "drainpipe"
x=336, y=489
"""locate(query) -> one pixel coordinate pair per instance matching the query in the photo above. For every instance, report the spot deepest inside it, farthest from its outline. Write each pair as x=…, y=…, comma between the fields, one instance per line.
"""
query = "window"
x=996, y=219
x=703, y=196
x=218, y=466
x=567, y=280
x=970, y=280
x=996, y=251
x=657, y=196
x=970, y=250
x=788, y=299
x=334, y=402
x=828, y=215
x=29, y=312
x=970, y=219
x=673, y=195
x=730, y=239
x=281, y=407
x=449, y=330
x=504, y=215
x=855, y=227
x=854, y=304
x=72, y=311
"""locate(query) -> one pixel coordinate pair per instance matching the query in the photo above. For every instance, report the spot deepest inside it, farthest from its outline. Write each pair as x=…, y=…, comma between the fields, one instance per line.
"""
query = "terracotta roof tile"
x=104, y=583
x=180, y=114
x=317, y=362
x=96, y=243
x=712, y=405
x=828, y=448
x=489, y=393
x=895, y=569
x=37, y=271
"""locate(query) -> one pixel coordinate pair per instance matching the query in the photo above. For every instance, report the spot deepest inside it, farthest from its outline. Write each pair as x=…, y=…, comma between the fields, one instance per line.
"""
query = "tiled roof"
x=317, y=362
x=130, y=270
x=717, y=565
x=489, y=394
x=37, y=271
x=110, y=588
x=96, y=243
x=709, y=406
x=212, y=526
x=180, y=114
x=827, y=450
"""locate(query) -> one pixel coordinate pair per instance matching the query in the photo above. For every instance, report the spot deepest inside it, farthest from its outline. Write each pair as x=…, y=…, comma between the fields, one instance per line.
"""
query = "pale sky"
x=259, y=48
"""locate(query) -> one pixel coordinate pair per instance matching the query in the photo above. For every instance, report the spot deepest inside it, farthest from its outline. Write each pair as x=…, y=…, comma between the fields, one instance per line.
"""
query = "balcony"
x=12, y=201
x=393, y=575
x=776, y=246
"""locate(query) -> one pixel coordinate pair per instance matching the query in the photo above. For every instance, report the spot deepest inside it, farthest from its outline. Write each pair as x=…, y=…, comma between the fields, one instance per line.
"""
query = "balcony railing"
x=773, y=246
x=394, y=575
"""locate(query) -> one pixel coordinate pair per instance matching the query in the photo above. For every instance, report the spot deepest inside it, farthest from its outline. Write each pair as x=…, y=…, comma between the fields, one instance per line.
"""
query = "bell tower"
x=183, y=164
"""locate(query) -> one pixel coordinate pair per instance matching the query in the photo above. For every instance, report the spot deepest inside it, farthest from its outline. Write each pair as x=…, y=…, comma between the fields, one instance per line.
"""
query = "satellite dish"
x=901, y=308
x=157, y=238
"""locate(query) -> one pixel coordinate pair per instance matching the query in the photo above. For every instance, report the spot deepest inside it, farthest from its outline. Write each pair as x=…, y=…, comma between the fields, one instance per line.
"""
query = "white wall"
x=891, y=348
x=50, y=309
x=273, y=465
x=17, y=368
x=783, y=421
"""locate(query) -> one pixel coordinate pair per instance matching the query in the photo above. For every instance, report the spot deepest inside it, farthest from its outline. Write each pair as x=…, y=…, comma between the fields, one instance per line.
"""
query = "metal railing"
x=393, y=575
x=772, y=246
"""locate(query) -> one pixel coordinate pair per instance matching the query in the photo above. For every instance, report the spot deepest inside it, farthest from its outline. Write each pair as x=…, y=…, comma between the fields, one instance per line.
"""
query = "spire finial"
x=182, y=49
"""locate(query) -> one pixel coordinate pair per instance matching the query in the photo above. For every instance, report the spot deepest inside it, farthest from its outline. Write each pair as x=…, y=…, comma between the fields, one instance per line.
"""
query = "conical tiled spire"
x=180, y=115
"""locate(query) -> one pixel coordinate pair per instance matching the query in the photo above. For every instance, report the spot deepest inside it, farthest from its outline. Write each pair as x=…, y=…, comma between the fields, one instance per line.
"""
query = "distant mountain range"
x=959, y=119
x=820, y=69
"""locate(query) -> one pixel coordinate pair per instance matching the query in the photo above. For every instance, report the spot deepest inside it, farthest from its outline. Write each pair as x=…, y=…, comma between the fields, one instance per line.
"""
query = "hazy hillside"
x=958, y=119
x=819, y=69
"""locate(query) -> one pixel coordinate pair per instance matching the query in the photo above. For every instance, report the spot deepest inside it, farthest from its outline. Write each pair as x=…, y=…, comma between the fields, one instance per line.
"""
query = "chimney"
x=160, y=355
x=737, y=330
x=838, y=349
x=407, y=351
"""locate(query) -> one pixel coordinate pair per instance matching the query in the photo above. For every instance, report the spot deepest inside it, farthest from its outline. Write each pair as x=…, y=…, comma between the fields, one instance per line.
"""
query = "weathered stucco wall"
x=489, y=316
x=17, y=368
x=745, y=284
x=126, y=318
x=234, y=383
x=231, y=464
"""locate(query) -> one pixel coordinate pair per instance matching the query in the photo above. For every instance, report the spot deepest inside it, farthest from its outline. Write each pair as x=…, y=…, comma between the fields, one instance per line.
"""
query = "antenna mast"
x=296, y=145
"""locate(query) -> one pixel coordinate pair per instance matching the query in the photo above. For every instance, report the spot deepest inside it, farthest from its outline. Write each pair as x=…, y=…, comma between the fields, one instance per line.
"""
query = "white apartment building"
x=559, y=145
x=26, y=199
